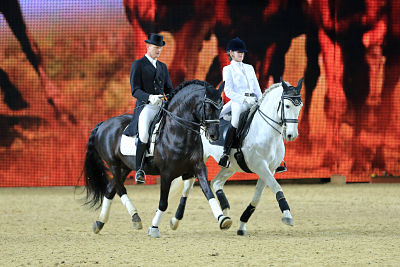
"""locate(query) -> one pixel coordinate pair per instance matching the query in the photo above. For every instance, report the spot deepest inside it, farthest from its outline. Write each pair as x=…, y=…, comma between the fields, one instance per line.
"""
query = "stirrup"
x=224, y=161
x=140, y=177
x=281, y=169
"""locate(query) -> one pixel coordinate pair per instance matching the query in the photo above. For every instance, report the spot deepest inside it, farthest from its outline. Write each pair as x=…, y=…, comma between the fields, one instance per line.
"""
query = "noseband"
x=296, y=100
x=217, y=105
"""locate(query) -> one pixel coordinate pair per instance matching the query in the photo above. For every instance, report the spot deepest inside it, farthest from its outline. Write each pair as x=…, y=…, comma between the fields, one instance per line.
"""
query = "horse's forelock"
x=292, y=91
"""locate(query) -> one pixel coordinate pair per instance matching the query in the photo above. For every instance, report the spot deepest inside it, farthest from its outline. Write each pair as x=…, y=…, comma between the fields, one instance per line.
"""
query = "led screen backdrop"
x=65, y=66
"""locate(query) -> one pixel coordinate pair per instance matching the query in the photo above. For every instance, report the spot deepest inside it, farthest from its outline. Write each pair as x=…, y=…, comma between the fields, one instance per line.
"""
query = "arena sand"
x=353, y=224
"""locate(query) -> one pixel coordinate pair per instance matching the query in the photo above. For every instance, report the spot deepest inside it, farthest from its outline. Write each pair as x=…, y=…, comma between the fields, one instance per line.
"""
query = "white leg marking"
x=128, y=204
x=105, y=210
x=216, y=209
x=157, y=218
x=242, y=226
x=188, y=187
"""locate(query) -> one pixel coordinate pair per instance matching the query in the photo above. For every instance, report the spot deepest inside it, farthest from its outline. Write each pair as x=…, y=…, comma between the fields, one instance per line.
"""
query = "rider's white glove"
x=155, y=99
x=250, y=100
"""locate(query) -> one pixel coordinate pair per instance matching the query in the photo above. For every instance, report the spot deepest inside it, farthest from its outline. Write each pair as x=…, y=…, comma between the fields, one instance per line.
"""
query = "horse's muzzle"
x=212, y=135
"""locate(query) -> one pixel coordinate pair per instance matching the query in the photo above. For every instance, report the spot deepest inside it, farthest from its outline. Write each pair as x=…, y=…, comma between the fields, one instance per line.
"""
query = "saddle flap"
x=128, y=143
x=244, y=124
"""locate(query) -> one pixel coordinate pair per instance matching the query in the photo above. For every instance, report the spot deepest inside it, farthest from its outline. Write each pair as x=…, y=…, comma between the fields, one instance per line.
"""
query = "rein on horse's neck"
x=270, y=99
x=179, y=114
x=269, y=108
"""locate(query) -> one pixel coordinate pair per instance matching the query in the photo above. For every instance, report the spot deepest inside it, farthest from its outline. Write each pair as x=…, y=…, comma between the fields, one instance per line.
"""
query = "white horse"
x=263, y=150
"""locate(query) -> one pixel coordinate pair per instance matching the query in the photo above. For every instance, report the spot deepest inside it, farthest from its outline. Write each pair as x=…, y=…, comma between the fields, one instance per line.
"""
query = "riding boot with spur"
x=224, y=160
x=140, y=177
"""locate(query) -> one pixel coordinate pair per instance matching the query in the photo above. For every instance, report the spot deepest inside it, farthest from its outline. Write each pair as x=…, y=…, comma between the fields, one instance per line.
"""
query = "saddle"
x=243, y=128
x=128, y=143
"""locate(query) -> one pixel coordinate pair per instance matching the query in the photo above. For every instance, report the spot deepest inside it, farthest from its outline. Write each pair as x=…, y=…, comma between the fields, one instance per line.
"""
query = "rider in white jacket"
x=241, y=86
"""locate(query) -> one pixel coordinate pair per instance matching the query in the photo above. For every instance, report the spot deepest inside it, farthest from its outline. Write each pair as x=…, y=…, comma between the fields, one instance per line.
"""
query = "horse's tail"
x=95, y=173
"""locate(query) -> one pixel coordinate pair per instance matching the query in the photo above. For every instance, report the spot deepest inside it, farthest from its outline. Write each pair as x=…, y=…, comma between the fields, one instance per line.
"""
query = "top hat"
x=236, y=45
x=155, y=39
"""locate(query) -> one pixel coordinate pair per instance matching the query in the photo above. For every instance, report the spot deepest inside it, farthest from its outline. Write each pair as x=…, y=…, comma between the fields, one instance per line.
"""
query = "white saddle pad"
x=128, y=144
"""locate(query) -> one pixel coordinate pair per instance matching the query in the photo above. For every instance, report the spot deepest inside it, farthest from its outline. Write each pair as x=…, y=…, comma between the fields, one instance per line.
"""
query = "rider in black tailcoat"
x=149, y=81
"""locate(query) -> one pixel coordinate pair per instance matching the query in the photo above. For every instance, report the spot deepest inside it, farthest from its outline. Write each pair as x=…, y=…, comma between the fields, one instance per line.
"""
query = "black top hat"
x=155, y=39
x=236, y=45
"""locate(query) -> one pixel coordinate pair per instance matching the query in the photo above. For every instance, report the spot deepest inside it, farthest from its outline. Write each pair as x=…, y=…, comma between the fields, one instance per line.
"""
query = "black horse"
x=178, y=151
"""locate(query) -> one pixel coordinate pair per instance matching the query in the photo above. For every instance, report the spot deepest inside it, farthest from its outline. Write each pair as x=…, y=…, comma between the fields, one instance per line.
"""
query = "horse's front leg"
x=218, y=184
x=153, y=230
x=187, y=188
x=225, y=222
x=266, y=178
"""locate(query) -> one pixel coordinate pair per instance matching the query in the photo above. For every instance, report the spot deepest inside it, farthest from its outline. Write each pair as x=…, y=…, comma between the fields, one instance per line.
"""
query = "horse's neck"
x=270, y=104
x=262, y=126
x=182, y=106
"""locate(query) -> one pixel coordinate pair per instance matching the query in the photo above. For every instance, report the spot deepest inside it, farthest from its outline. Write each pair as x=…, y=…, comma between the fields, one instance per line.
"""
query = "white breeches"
x=237, y=109
x=145, y=118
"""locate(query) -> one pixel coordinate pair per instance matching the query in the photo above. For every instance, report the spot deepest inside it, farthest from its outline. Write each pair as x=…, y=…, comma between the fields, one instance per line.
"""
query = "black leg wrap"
x=283, y=205
x=247, y=213
x=223, y=201
x=181, y=208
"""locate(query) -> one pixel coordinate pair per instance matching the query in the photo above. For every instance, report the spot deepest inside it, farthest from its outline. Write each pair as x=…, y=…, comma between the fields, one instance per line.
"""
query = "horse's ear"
x=284, y=85
x=221, y=87
x=299, y=85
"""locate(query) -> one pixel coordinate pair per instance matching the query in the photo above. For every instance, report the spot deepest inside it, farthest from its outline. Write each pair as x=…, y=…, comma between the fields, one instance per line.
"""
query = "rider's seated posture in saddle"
x=241, y=86
x=149, y=81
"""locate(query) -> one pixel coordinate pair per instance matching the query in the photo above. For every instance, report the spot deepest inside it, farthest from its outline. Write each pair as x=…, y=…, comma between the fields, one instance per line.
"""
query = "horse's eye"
x=287, y=106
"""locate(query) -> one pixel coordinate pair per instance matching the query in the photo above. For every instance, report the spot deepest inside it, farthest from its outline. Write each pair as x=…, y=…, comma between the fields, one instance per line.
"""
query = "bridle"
x=204, y=122
x=295, y=99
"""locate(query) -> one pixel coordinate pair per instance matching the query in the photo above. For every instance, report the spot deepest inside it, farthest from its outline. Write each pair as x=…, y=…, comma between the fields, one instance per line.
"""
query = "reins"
x=203, y=123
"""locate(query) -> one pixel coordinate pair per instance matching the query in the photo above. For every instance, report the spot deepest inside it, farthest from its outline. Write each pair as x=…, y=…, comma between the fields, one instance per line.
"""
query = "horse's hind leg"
x=105, y=208
x=266, y=178
x=126, y=201
x=218, y=184
x=260, y=187
x=187, y=188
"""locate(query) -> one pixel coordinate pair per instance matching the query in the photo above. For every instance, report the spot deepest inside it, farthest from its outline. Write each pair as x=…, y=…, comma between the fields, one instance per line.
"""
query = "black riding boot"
x=140, y=177
x=224, y=160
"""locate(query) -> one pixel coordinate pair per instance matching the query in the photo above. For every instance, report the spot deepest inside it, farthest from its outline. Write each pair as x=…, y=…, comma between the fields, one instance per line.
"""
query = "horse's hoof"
x=287, y=221
x=173, y=223
x=241, y=232
x=97, y=226
x=225, y=223
x=287, y=218
x=154, y=232
x=226, y=212
x=137, y=222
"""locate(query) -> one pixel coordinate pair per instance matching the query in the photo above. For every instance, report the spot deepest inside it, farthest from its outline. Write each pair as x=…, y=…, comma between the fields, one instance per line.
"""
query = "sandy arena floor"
x=354, y=224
